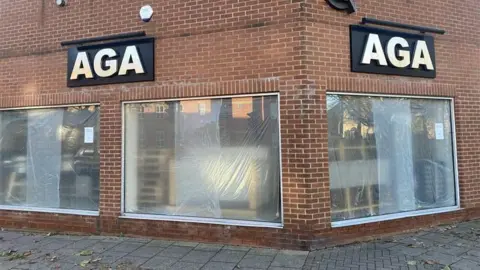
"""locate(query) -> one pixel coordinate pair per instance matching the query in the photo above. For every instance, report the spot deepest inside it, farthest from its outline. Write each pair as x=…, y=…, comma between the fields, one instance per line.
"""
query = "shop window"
x=205, y=163
x=49, y=158
x=161, y=110
x=142, y=136
x=160, y=138
x=202, y=108
x=389, y=155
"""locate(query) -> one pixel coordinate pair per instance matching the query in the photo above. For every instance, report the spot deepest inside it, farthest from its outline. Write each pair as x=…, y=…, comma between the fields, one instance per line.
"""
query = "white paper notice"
x=439, y=135
x=88, y=135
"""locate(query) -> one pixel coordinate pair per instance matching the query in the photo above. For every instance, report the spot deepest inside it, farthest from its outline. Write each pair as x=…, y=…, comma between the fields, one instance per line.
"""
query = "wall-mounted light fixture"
x=61, y=3
x=346, y=5
x=146, y=13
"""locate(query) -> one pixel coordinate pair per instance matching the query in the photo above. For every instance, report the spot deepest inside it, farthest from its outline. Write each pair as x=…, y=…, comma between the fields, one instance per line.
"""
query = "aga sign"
x=117, y=62
x=382, y=51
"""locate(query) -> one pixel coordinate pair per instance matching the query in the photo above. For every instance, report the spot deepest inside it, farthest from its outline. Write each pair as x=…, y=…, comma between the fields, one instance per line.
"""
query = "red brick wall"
x=299, y=48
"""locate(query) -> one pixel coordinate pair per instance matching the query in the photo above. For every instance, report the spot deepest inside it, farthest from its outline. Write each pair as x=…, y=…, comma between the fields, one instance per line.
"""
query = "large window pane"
x=49, y=158
x=389, y=155
x=210, y=158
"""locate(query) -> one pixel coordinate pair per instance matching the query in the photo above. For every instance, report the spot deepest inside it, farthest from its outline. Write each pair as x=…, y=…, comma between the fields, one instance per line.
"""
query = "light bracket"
x=344, y=5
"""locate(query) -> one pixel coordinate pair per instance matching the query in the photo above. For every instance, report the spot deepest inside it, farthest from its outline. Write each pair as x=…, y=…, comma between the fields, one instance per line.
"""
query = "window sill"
x=227, y=222
x=49, y=210
x=345, y=223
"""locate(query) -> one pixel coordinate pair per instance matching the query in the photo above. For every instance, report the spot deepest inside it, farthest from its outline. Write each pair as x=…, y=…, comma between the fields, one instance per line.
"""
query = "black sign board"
x=115, y=62
x=382, y=51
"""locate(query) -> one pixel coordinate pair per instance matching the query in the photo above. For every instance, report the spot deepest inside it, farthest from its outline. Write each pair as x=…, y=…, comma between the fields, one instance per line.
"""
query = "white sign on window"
x=439, y=135
x=88, y=135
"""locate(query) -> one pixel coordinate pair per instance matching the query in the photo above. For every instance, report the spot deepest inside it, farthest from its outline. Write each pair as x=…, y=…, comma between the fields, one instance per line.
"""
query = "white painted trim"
x=201, y=98
x=48, y=106
x=380, y=218
x=280, y=157
x=229, y=222
x=454, y=147
x=358, y=221
x=386, y=95
x=122, y=167
x=192, y=219
x=49, y=210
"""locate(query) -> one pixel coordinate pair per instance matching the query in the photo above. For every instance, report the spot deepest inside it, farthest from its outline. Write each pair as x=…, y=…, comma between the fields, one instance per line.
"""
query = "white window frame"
x=45, y=209
x=228, y=222
x=415, y=213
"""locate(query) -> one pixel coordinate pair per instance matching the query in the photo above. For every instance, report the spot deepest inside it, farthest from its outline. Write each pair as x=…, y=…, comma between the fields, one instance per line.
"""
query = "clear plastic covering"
x=209, y=158
x=389, y=155
x=49, y=158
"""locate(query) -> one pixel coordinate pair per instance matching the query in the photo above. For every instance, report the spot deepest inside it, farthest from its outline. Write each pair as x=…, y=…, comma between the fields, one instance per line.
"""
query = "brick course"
x=299, y=48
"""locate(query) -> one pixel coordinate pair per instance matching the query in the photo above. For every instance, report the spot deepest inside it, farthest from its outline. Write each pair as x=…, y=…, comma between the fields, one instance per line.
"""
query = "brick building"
x=254, y=131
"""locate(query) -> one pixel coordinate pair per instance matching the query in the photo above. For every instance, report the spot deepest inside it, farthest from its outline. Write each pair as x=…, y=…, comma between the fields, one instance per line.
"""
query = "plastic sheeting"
x=44, y=160
x=216, y=158
x=389, y=155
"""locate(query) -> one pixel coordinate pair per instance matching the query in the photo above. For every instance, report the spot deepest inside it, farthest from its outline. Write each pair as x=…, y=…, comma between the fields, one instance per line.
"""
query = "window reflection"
x=389, y=155
x=45, y=160
x=218, y=158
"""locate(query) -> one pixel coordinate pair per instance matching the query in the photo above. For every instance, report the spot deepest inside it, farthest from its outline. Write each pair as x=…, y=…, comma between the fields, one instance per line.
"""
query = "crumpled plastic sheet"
x=389, y=155
x=44, y=162
x=219, y=158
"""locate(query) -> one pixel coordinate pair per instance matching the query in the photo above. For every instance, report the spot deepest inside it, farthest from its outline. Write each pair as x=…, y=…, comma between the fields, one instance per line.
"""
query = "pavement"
x=445, y=247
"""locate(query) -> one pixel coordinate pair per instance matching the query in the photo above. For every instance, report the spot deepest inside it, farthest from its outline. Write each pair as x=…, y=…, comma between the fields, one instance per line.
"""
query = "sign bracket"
x=103, y=38
x=421, y=29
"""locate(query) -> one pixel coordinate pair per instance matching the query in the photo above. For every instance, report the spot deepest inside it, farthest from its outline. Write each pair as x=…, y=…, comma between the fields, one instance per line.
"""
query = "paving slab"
x=256, y=261
x=160, y=243
x=229, y=256
x=439, y=237
x=209, y=247
x=408, y=250
x=242, y=248
x=465, y=264
x=111, y=257
x=28, y=240
x=102, y=246
x=263, y=251
x=127, y=247
x=83, y=244
x=219, y=266
x=159, y=262
x=66, y=252
x=281, y=268
x=129, y=262
x=471, y=258
x=75, y=259
x=146, y=251
x=67, y=237
x=198, y=256
x=441, y=258
x=56, y=244
x=186, y=266
x=135, y=239
x=185, y=244
x=6, y=235
x=175, y=251
x=293, y=259
x=452, y=250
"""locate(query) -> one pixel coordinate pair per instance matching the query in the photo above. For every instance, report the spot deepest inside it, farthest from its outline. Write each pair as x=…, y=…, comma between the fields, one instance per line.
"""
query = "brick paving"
x=446, y=247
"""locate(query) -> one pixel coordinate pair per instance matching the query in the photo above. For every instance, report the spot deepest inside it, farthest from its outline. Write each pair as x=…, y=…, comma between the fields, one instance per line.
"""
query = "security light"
x=146, y=13
x=348, y=5
x=61, y=3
